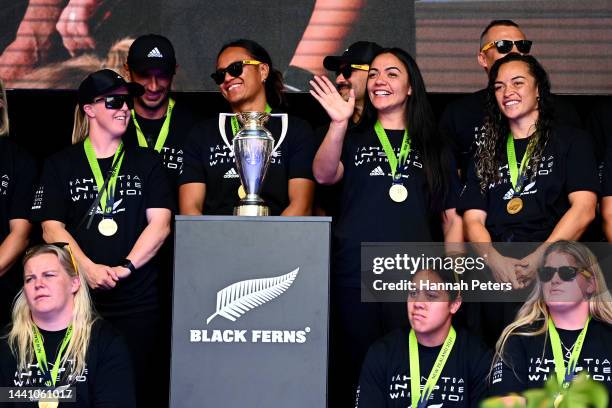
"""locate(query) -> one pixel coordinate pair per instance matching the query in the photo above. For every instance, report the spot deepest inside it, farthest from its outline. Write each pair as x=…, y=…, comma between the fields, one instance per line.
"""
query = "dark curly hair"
x=422, y=129
x=274, y=84
x=491, y=149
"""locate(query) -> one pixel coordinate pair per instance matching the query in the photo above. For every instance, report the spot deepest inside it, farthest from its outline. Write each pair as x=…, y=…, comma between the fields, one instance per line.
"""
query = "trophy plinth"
x=253, y=147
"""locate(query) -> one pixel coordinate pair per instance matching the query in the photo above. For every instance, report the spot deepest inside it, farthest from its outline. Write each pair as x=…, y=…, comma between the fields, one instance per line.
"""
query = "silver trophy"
x=252, y=147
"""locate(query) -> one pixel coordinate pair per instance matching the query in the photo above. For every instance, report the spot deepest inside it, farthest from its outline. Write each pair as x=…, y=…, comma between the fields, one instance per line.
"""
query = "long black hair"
x=423, y=131
x=274, y=83
x=492, y=148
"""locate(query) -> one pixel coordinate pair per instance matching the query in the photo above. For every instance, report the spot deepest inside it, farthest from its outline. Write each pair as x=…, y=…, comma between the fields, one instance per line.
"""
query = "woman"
x=398, y=186
x=532, y=181
x=54, y=312
x=386, y=375
x=17, y=176
x=210, y=182
x=112, y=203
x=569, y=302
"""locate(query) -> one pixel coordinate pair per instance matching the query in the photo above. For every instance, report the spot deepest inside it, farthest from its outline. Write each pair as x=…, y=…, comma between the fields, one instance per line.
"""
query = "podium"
x=250, y=312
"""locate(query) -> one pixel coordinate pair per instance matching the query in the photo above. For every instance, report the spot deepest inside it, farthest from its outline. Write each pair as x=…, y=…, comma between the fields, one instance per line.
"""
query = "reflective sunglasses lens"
x=218, y=76
x=546, y=273
x=567, y=273
x=235, y=69
x=346, y=71
x=523, y=46
x=503, y=46
x=117, y=101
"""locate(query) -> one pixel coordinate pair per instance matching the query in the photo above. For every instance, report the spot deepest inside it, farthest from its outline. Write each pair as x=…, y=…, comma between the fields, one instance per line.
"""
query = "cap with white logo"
x=152, y=51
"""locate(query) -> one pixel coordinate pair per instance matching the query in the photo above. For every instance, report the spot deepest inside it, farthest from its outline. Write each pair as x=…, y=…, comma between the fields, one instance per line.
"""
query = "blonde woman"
x=564, y=326
x=53, y=313
x=112, y=203
x=17, y=176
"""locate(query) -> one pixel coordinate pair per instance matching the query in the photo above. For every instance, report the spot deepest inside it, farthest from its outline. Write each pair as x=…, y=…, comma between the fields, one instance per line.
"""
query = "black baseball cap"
x=152, y=51
x=103, y=82
x=361, y=52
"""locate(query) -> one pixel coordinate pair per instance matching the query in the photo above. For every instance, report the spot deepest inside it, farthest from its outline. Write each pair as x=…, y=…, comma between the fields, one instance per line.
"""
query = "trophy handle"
x=222, y=119
x=285, y=124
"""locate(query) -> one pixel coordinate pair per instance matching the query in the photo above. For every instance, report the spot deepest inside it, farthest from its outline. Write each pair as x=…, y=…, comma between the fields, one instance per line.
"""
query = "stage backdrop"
x=54, y=43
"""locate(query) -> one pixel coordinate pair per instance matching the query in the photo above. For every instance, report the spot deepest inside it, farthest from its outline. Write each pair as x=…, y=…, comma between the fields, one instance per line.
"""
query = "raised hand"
x=324, y=91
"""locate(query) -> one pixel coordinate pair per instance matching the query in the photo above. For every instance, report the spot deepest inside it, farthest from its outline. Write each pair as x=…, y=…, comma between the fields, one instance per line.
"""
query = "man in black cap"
x=351, y=70
x=157, y=121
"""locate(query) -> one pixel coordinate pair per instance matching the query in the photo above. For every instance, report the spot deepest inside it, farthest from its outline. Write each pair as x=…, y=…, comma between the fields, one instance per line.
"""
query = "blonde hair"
x=4, y=119
x=80, y=128
x=20, y=338
x=534, y=310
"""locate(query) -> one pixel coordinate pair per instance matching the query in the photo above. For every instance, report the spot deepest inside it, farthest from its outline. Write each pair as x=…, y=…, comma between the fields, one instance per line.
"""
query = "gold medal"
x=398, y=193
x=241, y=192
x=48, y=404
x=515, y=205
x=107, y=227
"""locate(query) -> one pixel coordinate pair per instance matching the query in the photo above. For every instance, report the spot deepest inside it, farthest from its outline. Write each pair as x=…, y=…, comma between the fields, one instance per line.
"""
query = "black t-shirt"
x=528, y=360
x=208, y=160
x=385, y=375
x=367, y=213
x=568, y=165
x=107, y=380
x=17, y=181
x=600, y=126
x=181, y=123
x=463, y=123
x=67, y=190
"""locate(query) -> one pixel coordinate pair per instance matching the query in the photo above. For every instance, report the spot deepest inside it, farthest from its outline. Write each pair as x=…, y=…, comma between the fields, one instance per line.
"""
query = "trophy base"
x=252, y=210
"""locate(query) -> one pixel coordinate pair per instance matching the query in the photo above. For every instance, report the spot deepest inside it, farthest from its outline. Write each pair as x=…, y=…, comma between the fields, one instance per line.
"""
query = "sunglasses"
x=566, y=273
x=116, y=101
x=347, y=70
x=505, y=46
x=234, y=69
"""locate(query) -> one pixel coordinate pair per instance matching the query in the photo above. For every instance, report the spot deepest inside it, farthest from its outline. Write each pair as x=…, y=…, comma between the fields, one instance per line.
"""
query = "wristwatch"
x=126, y=263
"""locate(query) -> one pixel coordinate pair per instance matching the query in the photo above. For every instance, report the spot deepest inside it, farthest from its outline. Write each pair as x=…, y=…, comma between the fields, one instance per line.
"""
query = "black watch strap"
x=128, y=264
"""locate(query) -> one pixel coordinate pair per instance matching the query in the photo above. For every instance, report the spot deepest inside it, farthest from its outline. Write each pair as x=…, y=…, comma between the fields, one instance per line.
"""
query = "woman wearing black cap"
x=112, y=204
x=209, y=182
x=17, y=176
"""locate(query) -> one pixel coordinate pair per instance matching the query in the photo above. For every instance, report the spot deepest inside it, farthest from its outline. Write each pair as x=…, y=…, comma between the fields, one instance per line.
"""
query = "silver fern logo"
x=240, y=297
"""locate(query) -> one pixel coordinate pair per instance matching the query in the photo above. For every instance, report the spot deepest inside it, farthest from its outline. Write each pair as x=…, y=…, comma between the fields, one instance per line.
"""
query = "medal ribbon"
x=41, y=356
x=163, y=132
x=420, y=400
x=565, y=376
x=394, y=162
x=236, y=125
x=515, y=172
x=95, y=169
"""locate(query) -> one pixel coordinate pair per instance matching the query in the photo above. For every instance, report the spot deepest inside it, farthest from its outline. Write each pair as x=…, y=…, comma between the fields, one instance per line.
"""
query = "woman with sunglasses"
x=398, y=186
x=210, y=183
x=56, y=330
x=532, y=180
x=17, y=178
x=112, y=203
x=563, y=328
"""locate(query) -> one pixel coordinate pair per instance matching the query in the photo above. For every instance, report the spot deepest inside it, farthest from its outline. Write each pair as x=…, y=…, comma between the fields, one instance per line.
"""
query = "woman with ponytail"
x=210, y=183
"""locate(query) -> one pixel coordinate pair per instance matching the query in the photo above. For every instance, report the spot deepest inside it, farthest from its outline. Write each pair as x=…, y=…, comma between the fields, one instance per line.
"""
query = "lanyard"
x=384, y=141
x=512, y=166
x=163, y=133
x=41, y=356
x=236, y=126
x=420, y=400
x=95, y=169
x=565, y=376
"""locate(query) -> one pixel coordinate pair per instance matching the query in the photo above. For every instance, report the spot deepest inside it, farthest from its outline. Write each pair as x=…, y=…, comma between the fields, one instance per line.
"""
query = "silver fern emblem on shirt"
x=240, y=297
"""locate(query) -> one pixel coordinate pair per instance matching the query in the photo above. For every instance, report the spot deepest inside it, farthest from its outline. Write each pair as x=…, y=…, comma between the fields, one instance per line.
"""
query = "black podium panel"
x=250, y=312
